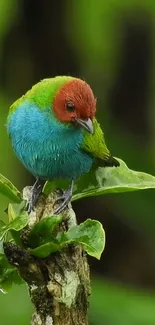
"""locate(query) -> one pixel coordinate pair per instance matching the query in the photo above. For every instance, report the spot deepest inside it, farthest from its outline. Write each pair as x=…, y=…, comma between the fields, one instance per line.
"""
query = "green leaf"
x=19, y=223
x=2, y=229
x=16, y=224
x=9, y=190
x=89, y=233
x=45, y=250
x=8, y=274
x=8, y=278
x=1, y=248
x=15, y=210
x=112, y=180
x=42, y=231
x=103, y=180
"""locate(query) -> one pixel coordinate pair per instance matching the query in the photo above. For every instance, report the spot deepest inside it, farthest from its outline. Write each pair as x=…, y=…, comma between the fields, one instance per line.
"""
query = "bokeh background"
x=111, y=44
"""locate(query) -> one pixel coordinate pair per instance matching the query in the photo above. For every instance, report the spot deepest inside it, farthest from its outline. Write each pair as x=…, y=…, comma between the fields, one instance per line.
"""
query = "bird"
x=55, y=134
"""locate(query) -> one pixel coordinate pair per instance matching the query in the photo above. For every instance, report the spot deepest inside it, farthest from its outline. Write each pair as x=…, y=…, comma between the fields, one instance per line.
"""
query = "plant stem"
x=59, y=285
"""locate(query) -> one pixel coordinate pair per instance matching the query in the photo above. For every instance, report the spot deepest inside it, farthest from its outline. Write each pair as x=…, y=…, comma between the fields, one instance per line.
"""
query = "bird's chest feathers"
x=47, y=148
x=60, y=154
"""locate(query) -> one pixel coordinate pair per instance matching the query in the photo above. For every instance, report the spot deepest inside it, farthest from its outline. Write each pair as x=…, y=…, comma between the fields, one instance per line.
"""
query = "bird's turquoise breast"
x=47, y=148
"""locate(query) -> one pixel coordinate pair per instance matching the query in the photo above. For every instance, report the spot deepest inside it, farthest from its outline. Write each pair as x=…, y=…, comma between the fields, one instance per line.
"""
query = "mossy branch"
x=49, y=251
x=59, y=285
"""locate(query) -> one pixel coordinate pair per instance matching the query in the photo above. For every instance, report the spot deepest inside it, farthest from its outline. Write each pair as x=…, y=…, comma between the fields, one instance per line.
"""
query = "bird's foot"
x=64, y=199
x=34, y=196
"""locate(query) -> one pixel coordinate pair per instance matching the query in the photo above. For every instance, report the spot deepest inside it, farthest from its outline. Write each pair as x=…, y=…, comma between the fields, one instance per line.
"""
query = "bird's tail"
x=109, y=161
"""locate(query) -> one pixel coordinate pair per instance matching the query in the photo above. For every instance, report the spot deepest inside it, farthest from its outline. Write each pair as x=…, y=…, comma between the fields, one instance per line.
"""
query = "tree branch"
x=59, y=285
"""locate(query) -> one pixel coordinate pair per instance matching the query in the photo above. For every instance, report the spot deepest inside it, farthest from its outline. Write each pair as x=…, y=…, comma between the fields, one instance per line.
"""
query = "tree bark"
x=59, y=285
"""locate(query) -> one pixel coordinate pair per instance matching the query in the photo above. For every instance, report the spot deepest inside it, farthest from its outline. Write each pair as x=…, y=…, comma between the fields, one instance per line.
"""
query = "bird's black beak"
x=87, y=124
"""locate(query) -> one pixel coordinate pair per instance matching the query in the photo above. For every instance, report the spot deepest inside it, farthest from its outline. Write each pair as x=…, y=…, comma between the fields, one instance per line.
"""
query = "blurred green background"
x=111, y=44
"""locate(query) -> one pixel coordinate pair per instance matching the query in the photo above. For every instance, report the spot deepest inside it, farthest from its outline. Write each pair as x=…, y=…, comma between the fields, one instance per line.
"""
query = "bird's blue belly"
x=52, y=166
x=47, y=148
x=48, y=163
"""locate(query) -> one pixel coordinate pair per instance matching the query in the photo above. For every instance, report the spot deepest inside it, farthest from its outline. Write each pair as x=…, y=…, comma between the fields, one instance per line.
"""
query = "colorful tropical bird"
x=55, y=134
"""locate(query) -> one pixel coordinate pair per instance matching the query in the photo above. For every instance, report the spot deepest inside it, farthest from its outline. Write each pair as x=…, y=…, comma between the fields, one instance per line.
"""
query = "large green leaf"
x=9, y=190
x=41, y=233
x=112, y=180
x=90, y=234
x=103, y=180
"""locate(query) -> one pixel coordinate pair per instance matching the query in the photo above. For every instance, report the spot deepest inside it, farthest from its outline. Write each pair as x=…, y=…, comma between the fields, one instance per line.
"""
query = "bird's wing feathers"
x=96, y=146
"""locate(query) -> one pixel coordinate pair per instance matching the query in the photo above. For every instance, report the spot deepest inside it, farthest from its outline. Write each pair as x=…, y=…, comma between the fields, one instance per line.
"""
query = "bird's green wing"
x=96, y=146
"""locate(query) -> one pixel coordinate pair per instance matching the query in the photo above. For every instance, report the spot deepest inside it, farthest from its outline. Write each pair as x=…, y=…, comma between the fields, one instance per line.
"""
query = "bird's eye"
x=70, y=107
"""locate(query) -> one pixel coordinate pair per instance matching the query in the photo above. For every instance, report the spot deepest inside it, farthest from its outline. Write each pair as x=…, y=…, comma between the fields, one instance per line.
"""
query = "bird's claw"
x=29, y=206
x=65, y=198
x=34, y=195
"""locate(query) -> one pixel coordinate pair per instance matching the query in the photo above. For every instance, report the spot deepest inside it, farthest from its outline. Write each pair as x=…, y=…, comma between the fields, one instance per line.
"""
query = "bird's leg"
x=35, y=192
x=64, y=199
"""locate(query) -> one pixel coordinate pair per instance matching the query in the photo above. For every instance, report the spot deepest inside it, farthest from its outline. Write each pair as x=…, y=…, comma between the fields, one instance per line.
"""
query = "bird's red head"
x=75, y=102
